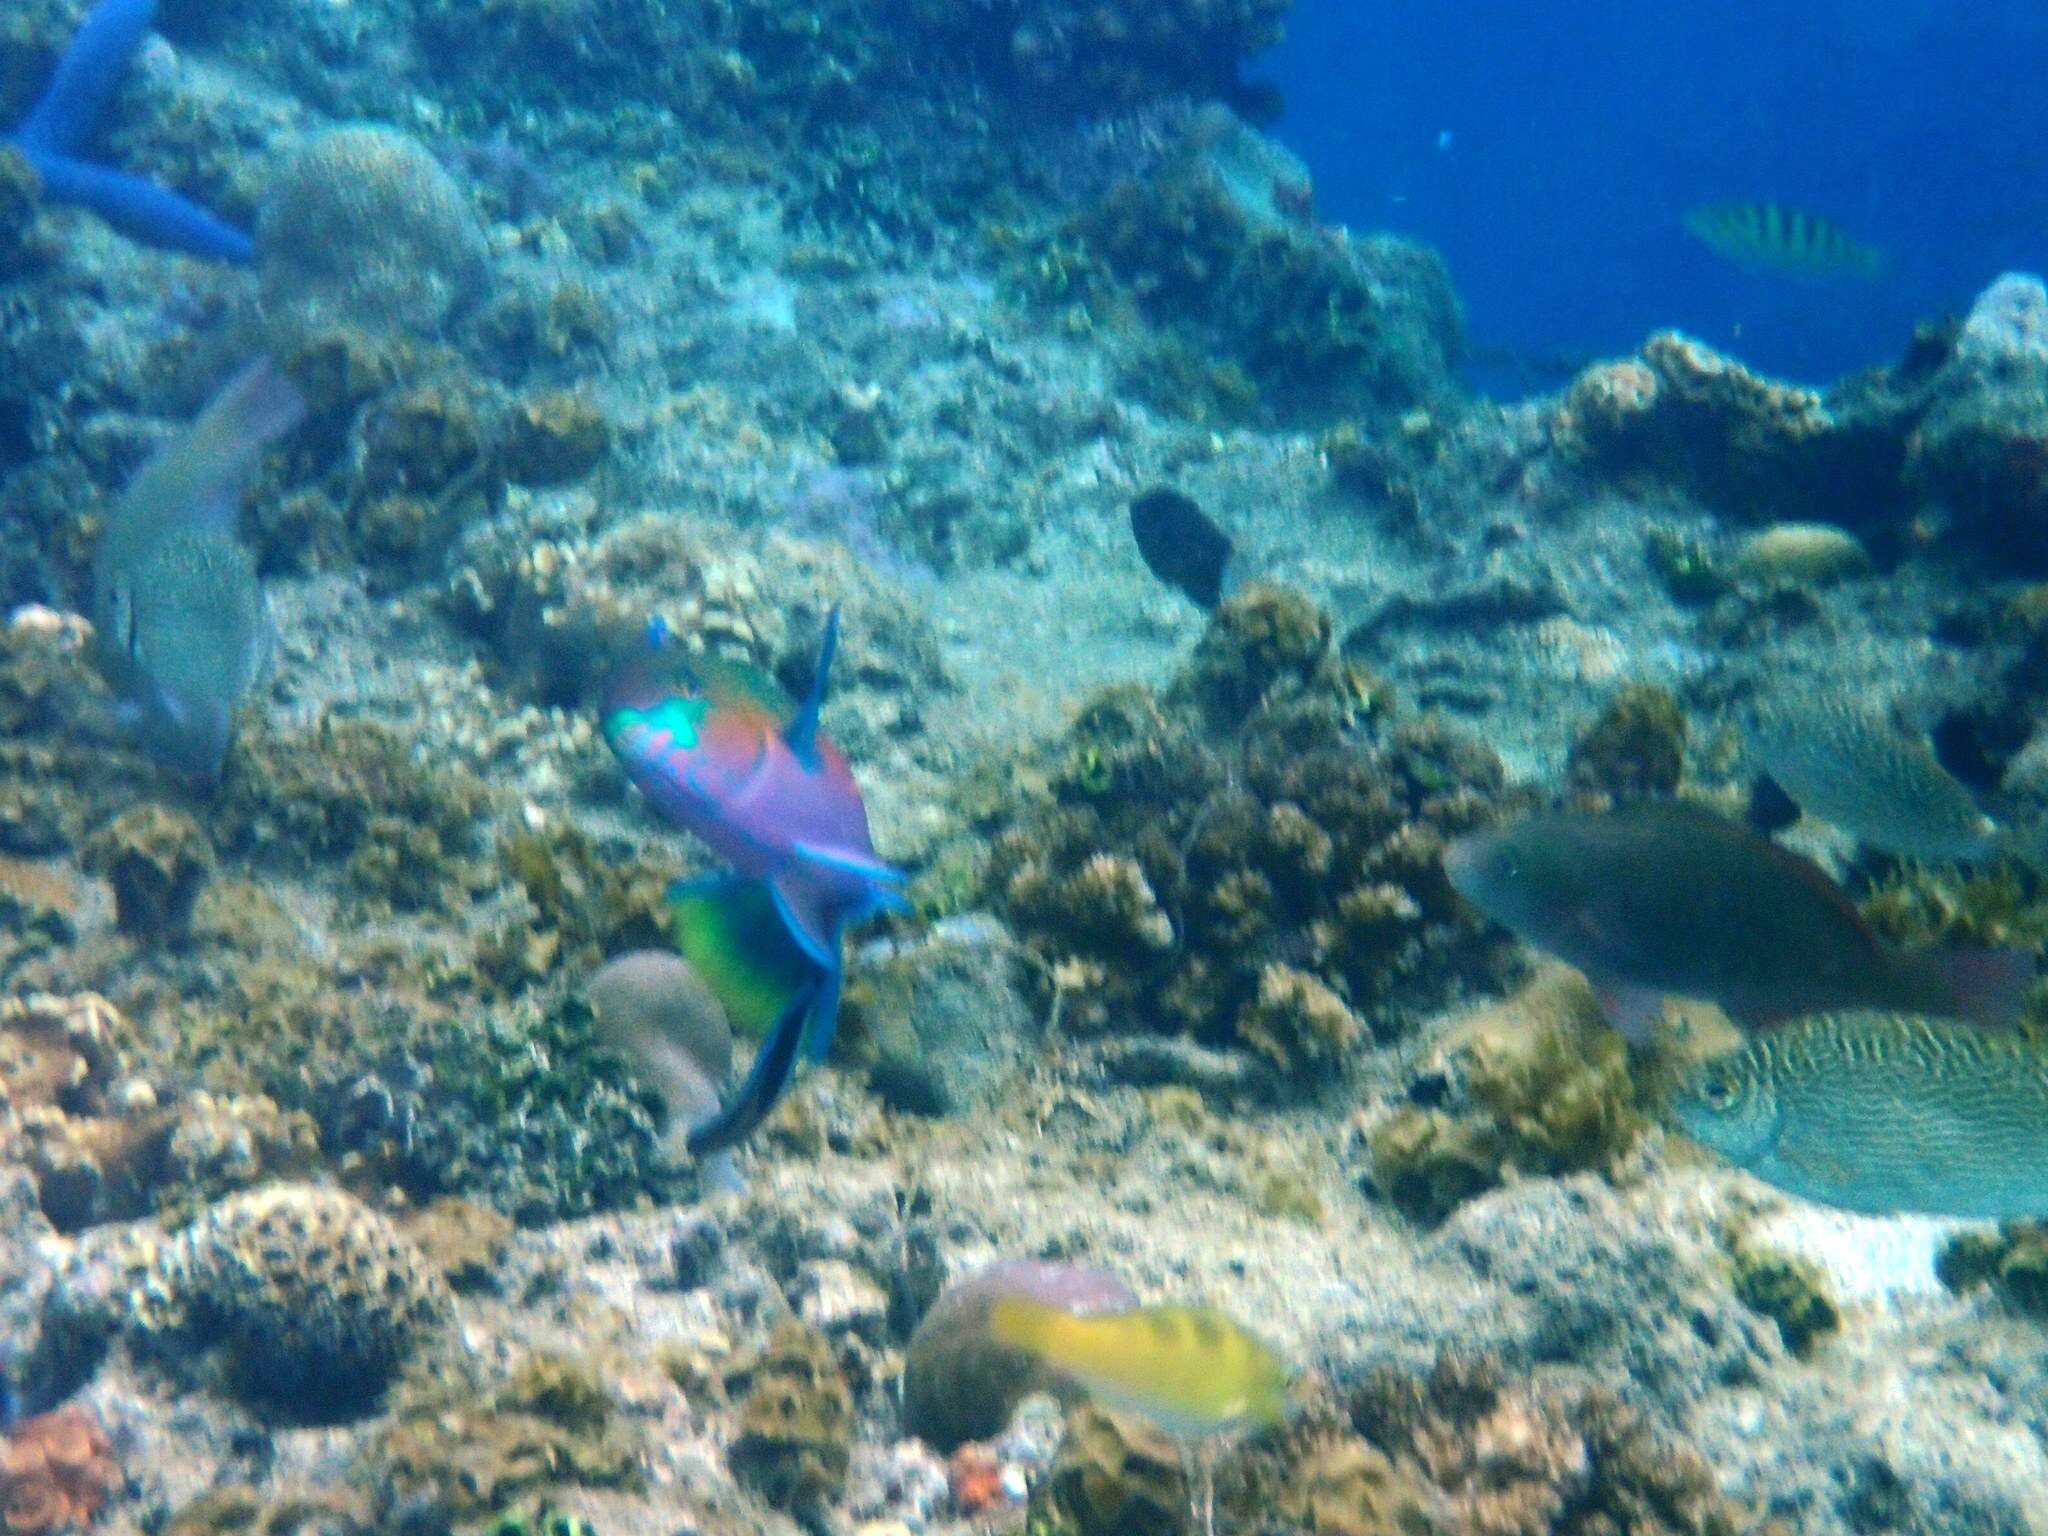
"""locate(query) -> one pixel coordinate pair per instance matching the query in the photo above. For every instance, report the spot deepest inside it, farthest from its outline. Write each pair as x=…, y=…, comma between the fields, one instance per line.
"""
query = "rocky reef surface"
x=322, y=1206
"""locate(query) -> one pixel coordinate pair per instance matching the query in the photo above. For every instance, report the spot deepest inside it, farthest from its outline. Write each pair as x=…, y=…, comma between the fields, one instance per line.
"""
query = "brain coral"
x=362, y=226
x=318, y=1297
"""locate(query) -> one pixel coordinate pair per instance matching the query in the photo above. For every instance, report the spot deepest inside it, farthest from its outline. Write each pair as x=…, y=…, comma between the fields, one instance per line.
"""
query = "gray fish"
x=182, y=628
x=655, y=1011
x=1659, y=897
x=184, y=634
x=1849, y=764
x=1881, y=1112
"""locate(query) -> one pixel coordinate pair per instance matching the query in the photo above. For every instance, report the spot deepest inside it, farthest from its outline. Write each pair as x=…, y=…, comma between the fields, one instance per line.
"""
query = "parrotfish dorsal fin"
x=802, y=734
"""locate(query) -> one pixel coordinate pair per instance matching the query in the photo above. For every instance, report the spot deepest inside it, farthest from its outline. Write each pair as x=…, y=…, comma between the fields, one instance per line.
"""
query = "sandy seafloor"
x=749, y=304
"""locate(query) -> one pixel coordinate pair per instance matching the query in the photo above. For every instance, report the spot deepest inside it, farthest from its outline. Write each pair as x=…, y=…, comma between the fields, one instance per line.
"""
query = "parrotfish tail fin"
x=140, y=209
x=657, y=632
x=720, y=1175
x=1985, y=986
x=802, y=734
x=86, y=77
x=824, y=1016
x=732, y=932
x=764, y=1083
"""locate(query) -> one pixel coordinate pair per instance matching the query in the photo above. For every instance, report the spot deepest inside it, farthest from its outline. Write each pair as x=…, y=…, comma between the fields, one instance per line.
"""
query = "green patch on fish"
x=1777, y=237
x=1881, y=1112
x=1847, y=763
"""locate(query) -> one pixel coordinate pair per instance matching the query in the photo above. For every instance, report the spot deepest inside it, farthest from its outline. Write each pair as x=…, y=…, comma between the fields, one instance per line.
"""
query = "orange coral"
x=55, y=1472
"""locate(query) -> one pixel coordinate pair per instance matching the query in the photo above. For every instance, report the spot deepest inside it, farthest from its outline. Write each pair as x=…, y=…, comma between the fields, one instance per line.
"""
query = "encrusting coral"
x=56, y=1470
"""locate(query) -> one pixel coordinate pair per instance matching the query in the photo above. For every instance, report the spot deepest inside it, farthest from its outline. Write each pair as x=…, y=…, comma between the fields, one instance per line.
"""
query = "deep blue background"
x=1582, y=129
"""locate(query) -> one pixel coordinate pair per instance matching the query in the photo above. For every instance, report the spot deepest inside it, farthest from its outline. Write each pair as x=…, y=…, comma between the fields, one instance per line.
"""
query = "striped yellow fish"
x=1191, y=1370
x=1776, y=237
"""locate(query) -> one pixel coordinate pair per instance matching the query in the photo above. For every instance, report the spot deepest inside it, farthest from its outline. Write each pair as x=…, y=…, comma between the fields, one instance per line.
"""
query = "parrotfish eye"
x=1717, y=1088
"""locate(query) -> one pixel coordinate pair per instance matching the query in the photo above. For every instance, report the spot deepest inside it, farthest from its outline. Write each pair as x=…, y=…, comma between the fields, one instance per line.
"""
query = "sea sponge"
x=157, y=859
x=362, y=227
x=796, y=1422
x=319, y=1299
x=959, y=1384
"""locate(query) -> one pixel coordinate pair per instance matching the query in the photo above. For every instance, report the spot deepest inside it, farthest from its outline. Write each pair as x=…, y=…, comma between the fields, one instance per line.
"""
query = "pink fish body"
x=720, y=751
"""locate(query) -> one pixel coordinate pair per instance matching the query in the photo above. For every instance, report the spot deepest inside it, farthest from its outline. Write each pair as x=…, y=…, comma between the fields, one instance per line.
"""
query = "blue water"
x=1548, y=150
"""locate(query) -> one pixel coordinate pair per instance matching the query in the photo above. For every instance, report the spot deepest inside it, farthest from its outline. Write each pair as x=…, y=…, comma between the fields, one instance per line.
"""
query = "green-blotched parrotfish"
x=722, y=752
x=1659, y=897
x=1881, y=1112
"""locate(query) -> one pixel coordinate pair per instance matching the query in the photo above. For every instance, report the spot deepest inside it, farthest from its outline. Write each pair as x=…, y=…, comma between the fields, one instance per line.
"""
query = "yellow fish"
x=1193, y=1371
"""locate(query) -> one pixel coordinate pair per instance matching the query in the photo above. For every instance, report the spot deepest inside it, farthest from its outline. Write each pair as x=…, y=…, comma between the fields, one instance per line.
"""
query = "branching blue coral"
x=50, y=136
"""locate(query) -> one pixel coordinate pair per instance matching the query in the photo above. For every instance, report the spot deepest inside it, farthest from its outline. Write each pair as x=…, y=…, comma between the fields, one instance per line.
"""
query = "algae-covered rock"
x=1114, y=1475
x=553, y=438
x=1635, y=749
x=1534, y=1085
x=959, y=1384
x=1792, y=1292
x=2013, y=1260
x=319, y=1300
x=1343, y=1486
x=156, y=858
x=795, y=1435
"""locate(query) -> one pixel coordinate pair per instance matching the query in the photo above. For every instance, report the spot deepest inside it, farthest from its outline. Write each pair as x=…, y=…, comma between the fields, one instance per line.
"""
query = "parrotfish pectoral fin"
x=735, y=936
x=802, y=734
x=764, y=1083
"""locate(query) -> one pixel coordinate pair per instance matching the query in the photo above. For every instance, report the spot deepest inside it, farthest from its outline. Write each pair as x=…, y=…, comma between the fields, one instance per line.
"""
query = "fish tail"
x=773, y=1066
x=1985, y=986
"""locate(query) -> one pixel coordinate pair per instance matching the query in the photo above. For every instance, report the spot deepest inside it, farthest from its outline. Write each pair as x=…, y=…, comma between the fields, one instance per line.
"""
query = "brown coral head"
x=55, y=1472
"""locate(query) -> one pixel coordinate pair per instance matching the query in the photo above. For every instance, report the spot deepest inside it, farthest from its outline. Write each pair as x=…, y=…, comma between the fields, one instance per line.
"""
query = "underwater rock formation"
x=796, y=1423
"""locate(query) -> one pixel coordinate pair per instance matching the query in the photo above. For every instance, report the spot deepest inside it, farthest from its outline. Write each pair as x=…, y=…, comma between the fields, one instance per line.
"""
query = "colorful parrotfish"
x=720, y=750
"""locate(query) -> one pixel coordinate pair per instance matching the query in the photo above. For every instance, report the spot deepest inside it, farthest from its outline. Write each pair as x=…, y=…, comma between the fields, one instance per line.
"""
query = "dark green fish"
x=1847, y=763
x=1776, y=237
x=183, y=634
x=1660, y=897
x=1881, y=1112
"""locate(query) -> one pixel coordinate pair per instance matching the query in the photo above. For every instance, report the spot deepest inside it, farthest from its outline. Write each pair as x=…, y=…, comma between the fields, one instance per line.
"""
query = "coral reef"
x=156, y=858
x=1115, y=1475
x=958, y=1383
x=362, y=227
x=1182, y=870
x=318, y=1299
x=1538, y=1456
x=1537, y=1084
x=1634, y=750
x=796, y=1422
x=1791, y=1291
x=1217, y=246
x=2014, y=1260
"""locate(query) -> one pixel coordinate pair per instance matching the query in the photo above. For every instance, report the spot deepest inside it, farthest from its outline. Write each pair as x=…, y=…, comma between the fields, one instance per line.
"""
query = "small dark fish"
x=1881, y=1112
x=1776, y=237
x=1659, y=897
x=1181, y=544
